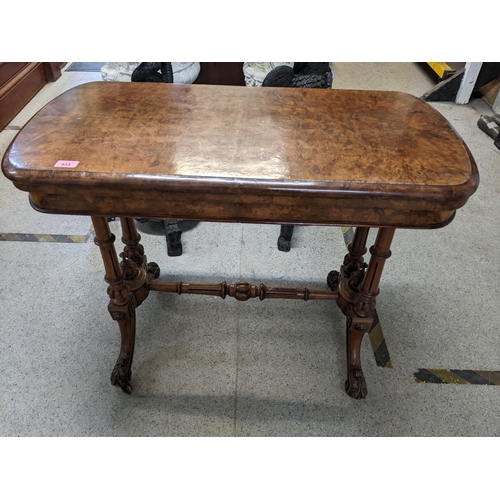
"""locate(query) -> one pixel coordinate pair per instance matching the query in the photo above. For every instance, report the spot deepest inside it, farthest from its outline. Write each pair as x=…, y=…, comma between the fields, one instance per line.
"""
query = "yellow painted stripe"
x=345, y=229
x=490, y=376
x=45, y=238
x=448, y=377
x=78, y=238
x=439, y=68
x=376, y=337
x=461, y=377
x=12, y=237
x=388, y=364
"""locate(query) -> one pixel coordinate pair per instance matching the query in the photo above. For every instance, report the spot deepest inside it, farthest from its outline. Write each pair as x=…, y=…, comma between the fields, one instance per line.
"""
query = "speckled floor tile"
x=61, y=344
x=315, y=251
x=220, y=245
x=400, y=76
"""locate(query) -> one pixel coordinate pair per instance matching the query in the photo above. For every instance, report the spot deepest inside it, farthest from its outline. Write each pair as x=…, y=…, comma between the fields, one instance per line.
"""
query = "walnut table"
x=367, y=159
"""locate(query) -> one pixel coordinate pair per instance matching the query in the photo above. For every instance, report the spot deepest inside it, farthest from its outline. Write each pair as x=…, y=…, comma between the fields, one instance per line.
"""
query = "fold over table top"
x=251, y=154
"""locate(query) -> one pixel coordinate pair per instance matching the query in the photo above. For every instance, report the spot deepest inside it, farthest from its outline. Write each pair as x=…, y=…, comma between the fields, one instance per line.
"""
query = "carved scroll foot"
x=285, y=238
x=122, y=374
x=355, y=385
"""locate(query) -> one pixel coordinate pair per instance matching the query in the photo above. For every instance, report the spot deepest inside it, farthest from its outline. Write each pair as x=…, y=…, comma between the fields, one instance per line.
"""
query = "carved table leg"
x=358, y=285
x=355, y=385
x=127, y=289
x=122, y=372
x=360, y=313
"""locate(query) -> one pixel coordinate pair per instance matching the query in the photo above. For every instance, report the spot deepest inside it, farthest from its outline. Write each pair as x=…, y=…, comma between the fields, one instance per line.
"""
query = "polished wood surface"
x=274, y=155
x=377, y=158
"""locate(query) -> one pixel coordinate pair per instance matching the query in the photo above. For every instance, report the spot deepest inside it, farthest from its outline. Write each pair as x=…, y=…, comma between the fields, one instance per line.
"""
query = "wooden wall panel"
x=20, y=82
x=221, y=73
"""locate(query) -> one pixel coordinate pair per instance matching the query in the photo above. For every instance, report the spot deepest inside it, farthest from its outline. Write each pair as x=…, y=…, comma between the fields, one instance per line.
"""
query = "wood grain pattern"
x=225, y=145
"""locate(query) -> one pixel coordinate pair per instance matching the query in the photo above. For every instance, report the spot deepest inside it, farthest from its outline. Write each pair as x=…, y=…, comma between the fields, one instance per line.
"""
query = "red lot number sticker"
x=66, y=164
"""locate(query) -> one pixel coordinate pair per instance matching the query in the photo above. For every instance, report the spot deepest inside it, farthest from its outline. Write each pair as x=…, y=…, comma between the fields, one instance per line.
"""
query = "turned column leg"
x=354, y=260
x=122, y=303
x=138, y=272
x=133, y=253
x=131, y=238
x=361, y=311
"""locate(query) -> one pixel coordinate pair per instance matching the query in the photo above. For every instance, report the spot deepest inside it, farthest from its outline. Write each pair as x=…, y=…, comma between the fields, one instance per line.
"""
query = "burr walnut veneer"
x=264, y=155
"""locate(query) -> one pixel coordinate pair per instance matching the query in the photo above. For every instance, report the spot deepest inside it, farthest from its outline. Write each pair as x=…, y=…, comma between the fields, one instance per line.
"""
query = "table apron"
x=263, y=208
